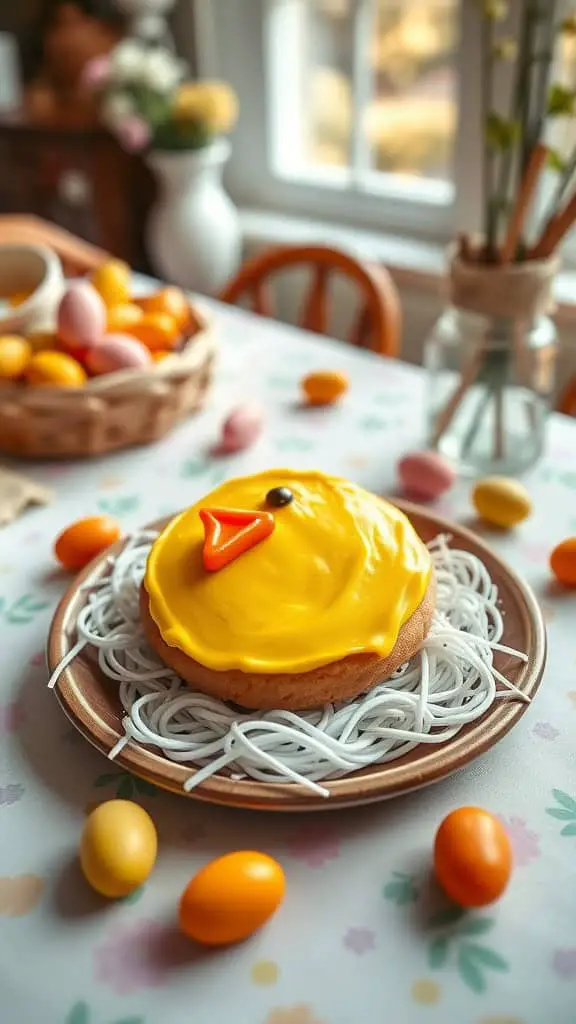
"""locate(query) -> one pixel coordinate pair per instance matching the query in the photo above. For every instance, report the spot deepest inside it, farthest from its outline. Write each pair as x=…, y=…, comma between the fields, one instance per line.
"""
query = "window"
x=358, y=111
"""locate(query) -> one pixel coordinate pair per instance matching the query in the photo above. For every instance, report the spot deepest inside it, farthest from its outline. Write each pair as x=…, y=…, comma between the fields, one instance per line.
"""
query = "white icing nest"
x=452, y=681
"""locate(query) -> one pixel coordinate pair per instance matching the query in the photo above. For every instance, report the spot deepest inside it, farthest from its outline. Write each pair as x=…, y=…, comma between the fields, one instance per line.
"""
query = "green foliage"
x=566, y=811
x=175, y=136
x=23, y=610
x=560, y=101
x=556, y=162
x=472, y=960
x=501, y=133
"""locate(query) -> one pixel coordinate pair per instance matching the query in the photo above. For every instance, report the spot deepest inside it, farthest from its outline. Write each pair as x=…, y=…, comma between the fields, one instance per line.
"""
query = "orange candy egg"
x=563, y=562
x=122, y=318
x=324, y=387
x=55, y=369
x=169, y=300
x=157, y=331
x=231, y=897
x=112, y=281
x=79, y=543
x=15, y=355
x=472, y=857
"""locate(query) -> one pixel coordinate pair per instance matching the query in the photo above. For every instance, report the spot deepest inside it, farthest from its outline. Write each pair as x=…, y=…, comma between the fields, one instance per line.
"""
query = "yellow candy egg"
x=15, y=355
x=324, y=387
x=118, y=847
x=563, y=562
x=501, y=502
x=55, y=369
x=122, y=318
x=112, y=280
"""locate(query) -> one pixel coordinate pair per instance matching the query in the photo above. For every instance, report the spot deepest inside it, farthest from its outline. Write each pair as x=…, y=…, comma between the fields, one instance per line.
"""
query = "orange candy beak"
x=229, y=533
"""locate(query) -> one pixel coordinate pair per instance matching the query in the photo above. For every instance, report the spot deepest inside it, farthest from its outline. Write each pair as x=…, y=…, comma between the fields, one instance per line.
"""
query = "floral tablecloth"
x=363, y=937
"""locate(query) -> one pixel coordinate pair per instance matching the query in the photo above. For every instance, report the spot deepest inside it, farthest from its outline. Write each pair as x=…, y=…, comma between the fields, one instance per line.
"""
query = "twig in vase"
x=447, y=415
x=499, y=424
x=524, y=201
x=555, y=230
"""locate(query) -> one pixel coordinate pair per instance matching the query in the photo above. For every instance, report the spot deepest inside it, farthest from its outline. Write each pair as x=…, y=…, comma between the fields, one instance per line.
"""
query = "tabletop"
x=363, y=936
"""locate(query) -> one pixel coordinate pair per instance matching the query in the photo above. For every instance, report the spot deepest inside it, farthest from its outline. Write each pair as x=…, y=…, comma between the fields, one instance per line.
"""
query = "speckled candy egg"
x=117, y=352
x=501, y=501
x=81, y=317
x=118, y=848
x=426, y=475
x=563, y=562
x=242, y=427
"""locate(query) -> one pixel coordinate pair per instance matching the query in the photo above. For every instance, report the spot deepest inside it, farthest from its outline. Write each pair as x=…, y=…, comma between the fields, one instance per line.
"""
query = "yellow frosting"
x=341, y=573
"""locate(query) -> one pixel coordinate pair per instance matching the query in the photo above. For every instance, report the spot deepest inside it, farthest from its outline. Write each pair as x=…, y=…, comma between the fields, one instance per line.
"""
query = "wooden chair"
x=379, y=321
x=77, y=256
x=567, y=401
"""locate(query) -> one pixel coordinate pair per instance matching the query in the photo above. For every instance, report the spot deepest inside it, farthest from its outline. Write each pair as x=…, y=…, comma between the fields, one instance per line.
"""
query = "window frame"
x=236, y=41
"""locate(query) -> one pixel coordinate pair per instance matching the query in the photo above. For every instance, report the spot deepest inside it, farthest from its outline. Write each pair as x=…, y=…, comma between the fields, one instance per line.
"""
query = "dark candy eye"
x=279, y=496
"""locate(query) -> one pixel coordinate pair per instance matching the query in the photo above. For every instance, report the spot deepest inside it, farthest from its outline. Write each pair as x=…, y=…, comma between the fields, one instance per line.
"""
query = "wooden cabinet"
x=79, y=178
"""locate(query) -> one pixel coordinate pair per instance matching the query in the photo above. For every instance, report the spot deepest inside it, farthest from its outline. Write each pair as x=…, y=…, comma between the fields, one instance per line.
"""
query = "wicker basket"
x=114, y=411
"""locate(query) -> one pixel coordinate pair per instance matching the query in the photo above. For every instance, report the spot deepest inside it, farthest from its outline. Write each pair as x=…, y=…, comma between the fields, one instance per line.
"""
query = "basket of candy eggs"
x=113, y=371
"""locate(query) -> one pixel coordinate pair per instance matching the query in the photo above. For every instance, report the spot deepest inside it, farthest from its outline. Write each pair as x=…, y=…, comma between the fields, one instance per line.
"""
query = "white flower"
x=127, y=61
x=115, y=108
x=161, y=71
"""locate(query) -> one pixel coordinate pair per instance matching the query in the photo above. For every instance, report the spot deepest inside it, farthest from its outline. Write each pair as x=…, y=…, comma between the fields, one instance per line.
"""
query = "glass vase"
x=492, y=370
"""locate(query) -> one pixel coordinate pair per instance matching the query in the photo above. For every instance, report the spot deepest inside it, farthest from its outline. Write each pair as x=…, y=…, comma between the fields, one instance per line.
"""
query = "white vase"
x=194, y=237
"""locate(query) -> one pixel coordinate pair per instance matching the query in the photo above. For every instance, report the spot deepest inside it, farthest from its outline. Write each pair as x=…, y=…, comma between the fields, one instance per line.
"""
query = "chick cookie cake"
x=287, y=589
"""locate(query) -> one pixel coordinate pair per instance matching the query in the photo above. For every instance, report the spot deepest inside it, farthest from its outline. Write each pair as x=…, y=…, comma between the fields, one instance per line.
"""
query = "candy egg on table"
x=563, y=562
x=324, y=387
x=118, y=847
x=80, y=542
x=231, y=897
x=81, y=317
x=425, y=474
x=117, y=352
x=15, y=356
x=242, y=427
x=50, y=368
x=112, y=282
x=472, y=857
x=501, y=501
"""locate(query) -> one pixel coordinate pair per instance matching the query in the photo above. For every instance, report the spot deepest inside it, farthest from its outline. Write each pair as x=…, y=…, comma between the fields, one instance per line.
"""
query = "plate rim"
x=379, y=783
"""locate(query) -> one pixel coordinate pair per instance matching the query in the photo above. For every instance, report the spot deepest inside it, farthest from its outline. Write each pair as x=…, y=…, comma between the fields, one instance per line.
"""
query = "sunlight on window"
x=410, y=118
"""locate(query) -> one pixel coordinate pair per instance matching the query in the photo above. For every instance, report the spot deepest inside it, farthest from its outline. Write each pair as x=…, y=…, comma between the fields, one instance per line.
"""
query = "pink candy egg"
x=81, y=316
x=117, y=352
x=242, y=427
x=426, y=475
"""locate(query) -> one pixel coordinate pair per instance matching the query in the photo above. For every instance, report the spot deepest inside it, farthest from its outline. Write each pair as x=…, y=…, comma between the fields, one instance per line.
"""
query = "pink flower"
x=545, y=731
x=38, y=659
x=564, y=963
x=314, y=844
x=134, y=134
x=525, y=844
x=11, y=717
x=359, y=940
x=95, y=73
x=139, y=955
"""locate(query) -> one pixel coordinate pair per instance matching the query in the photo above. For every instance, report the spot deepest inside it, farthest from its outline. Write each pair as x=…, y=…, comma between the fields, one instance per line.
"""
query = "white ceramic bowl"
x=35, y=269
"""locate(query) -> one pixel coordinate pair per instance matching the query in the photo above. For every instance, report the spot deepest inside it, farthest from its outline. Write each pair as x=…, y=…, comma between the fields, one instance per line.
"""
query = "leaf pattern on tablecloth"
x=22, y=610
x=122, y=505
x=82, y=1014
x=565, y=811
x=127, y=786
x=456, y=945
x=401, y=889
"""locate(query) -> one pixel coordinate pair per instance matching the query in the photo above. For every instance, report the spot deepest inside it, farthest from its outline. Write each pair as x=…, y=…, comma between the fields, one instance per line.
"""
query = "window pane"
x=409, y=116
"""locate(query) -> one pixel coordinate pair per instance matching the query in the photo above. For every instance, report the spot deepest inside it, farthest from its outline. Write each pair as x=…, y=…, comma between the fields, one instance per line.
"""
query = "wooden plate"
x=90, y=700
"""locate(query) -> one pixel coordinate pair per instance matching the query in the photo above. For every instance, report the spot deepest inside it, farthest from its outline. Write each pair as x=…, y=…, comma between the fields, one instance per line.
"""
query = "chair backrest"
x=567, y=401
x=379, y=320
x=77, y=256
